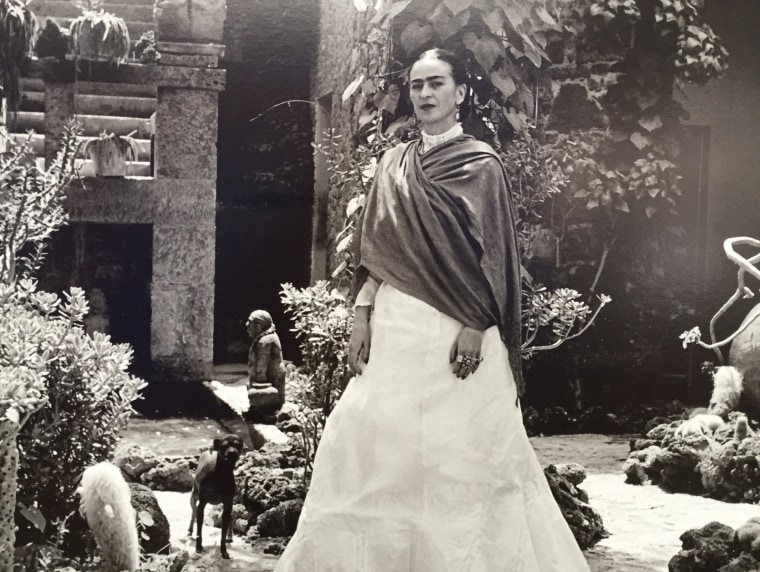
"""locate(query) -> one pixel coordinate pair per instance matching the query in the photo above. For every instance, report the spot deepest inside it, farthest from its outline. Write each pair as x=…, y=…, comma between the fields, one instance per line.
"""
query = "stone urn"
x=745, y=356
x=192, y=21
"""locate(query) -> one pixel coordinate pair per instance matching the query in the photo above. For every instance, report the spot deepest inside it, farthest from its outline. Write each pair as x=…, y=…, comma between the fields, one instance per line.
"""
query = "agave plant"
x=18, y=31
x=99, y=35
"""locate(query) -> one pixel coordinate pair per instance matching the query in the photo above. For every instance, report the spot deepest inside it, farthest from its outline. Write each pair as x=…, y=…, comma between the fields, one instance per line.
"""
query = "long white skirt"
x=420, y=471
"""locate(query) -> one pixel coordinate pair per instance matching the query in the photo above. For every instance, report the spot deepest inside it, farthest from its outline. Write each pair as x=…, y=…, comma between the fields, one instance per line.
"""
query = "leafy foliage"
x=31, y=203
x=322, y=323
x=87, y=390
x=99, y=35
x=18, y=30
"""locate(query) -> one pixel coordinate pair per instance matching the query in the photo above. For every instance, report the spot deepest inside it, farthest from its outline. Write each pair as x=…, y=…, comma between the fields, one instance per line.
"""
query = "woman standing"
x=424, y=464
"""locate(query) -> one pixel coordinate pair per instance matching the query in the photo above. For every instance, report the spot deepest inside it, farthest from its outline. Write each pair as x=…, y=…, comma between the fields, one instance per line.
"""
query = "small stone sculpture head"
x=259, y=321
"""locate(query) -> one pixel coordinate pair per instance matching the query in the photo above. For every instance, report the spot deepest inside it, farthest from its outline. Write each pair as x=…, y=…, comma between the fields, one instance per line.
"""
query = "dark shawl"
x=439, y=226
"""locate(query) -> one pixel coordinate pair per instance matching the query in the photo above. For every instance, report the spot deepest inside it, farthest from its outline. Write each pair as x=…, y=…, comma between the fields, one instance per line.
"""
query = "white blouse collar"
x=430, y=141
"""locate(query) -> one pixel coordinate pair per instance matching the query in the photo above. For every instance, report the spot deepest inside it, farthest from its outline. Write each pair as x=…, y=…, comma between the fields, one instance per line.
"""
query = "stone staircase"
x=118, y=108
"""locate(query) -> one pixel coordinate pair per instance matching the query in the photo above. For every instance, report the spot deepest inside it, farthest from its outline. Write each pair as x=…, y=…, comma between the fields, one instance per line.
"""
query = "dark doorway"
x=112, y=264
x=265, y=182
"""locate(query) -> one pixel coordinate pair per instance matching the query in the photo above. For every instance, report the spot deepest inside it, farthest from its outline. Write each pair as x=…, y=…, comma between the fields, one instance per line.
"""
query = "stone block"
x=182, y=327
x=189, y=60
x=122, y=201
x=184, y=254
x=181, y=201
x=59, y=109
x=186, y=125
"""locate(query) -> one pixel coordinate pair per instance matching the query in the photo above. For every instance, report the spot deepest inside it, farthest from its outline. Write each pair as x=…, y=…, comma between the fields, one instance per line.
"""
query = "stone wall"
x=179, y=202
x=729, y=109
x=342, y=57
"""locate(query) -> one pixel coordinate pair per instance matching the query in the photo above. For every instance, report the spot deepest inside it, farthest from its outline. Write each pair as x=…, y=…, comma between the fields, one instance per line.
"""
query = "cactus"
x=8, y=467
x=106, y=506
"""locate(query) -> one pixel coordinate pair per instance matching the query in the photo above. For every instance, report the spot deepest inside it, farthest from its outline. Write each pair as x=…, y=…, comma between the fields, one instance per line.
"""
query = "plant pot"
x=99, y=36
x=109, y=156
x=199, y=21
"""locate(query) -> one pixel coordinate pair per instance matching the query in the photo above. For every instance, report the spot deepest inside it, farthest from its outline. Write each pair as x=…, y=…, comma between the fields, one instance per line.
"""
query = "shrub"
x=89, y=394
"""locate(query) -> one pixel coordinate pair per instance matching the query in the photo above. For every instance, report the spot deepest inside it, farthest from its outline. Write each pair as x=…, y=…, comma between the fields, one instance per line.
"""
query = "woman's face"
x=434, y=95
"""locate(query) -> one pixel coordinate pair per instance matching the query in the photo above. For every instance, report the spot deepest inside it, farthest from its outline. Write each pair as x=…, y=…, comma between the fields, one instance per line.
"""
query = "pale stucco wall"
x=730, y=107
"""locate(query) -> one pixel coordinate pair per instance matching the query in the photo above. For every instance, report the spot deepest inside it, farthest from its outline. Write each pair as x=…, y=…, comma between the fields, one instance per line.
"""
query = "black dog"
x=214, y=483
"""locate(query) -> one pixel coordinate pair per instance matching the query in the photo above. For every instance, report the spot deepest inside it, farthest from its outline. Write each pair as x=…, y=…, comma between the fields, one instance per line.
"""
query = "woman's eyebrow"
x=431, y=78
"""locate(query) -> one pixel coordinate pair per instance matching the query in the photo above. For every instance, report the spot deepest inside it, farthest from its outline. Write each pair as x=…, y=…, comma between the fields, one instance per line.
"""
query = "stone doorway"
x=112, y=264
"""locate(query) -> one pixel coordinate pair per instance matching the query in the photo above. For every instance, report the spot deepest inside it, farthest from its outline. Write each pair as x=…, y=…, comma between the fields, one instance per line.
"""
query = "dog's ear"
x=217, y=444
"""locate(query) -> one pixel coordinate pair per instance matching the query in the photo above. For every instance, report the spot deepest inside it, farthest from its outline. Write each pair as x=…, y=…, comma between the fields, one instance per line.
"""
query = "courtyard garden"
x=580, y=100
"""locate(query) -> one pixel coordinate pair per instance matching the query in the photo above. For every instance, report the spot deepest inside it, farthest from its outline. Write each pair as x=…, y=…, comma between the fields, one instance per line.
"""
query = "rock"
x=596, y=420
x=747, y=537
x=165, y=563
x=676, y=465
x=584, y=521
x=286, y=420
x=532, y=421
x=152, y=525
x=744, y=563
x=573, y=472
x=556, y=421
x=172, y=474
x=280, y=520
x=241, y=518
x=658, y=428
x=262, y=489
x=262, y=433
x=134, y=461
x=704, y=549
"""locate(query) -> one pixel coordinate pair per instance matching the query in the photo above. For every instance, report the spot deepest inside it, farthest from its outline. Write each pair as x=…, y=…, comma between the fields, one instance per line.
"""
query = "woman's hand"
x=359, y=342
x=465, y=353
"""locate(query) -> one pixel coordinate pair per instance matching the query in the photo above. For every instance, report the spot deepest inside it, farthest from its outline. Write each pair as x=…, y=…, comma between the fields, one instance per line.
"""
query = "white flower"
x=604, y=299
x=691, y=336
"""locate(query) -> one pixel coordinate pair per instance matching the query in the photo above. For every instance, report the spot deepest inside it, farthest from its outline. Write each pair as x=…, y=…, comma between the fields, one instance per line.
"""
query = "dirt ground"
x=644, y=522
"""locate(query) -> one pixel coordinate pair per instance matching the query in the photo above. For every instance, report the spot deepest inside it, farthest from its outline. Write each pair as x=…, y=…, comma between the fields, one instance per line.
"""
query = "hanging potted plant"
x=110, y=153
x=18, y=31
x=98, y=35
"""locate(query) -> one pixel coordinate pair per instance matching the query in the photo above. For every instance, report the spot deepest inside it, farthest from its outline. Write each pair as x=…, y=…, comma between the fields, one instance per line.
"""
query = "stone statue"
x=266, y=373
x=98, y=319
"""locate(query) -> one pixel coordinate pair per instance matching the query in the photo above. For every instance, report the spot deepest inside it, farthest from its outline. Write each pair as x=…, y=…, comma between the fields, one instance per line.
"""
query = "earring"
x=457, y=115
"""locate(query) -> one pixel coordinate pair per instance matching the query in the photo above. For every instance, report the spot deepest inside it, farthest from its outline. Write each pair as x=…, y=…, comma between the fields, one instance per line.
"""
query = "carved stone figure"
x=98, y=319
x=266, y=373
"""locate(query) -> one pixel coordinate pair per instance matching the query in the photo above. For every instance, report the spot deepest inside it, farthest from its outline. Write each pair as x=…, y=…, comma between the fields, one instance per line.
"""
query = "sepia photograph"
x=379, y=285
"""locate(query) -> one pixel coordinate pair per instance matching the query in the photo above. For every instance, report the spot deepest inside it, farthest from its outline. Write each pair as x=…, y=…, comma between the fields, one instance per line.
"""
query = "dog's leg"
x=199, y=521
x=226, y=524
x=193, y=505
